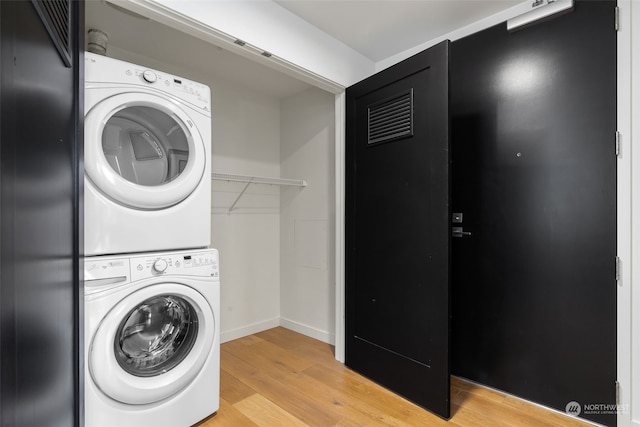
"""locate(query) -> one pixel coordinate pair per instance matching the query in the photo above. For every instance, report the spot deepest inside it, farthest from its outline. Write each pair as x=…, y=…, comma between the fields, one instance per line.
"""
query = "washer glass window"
x=145, y=146
x=156, y=335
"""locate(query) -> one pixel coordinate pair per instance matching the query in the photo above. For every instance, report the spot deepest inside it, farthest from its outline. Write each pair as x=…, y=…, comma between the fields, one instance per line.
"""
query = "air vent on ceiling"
x=391, y=118
x=56, y=16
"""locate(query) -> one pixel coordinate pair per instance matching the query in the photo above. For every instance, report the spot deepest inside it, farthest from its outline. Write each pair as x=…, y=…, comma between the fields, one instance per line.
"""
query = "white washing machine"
x=152, y=339
x=147, y=148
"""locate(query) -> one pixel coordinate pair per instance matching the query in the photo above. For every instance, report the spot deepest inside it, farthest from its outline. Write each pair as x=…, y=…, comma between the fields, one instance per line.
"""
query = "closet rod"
x=258, y=179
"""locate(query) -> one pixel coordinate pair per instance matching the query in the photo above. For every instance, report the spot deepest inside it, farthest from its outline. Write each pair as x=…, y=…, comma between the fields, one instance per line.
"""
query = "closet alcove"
x=273, y=185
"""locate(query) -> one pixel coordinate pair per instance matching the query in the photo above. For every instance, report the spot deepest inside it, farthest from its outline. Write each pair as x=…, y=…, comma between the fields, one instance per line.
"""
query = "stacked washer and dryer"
x=152, y=289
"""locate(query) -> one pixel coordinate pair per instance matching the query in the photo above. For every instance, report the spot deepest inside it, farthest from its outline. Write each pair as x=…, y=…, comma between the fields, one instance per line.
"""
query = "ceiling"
x=382, y=28
x=377, y=29
x=150, y=42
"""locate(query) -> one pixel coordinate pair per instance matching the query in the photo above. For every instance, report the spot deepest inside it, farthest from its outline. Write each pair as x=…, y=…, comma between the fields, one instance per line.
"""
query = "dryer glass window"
x=156, y=336
x=145, y=145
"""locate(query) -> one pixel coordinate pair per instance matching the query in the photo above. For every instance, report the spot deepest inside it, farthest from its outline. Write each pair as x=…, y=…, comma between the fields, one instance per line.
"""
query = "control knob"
x=149, y=76
x=160, y=265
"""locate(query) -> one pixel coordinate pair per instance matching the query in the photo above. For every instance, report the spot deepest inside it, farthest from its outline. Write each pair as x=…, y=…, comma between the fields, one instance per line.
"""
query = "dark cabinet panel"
x=39, y=224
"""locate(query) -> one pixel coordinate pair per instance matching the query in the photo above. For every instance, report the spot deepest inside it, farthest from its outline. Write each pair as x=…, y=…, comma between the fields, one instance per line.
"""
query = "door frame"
x=628, y=205
x=340, y=180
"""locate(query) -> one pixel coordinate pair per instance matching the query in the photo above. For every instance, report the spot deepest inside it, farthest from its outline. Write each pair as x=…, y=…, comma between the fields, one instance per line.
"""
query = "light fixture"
x=540, y=9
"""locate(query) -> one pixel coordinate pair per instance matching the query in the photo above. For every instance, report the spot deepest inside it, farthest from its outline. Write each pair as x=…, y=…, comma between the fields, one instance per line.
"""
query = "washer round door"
x=152, y=344
x=143, y=151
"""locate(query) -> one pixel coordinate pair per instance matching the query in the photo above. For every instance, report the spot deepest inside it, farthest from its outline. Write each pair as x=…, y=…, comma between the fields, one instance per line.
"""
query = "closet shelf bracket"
x=255, y=180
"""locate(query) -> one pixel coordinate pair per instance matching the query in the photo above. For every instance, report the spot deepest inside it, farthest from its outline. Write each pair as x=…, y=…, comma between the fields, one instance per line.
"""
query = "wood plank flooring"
x=281, y=378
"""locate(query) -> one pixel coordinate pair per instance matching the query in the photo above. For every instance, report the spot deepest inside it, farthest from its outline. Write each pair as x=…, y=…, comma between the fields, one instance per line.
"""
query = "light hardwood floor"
x=282, y=378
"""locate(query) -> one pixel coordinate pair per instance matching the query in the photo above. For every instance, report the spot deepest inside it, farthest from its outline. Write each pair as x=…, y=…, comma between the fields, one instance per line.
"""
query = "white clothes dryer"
x=152, y=339
x=147, y=148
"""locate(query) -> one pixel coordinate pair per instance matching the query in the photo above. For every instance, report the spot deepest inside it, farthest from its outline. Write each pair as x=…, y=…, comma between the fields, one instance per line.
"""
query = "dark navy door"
x=397, y=228
x=534, y=175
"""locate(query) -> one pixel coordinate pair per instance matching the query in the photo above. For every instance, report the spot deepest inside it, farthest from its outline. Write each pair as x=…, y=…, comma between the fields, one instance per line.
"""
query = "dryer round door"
x=143, y=151
x=152, y=344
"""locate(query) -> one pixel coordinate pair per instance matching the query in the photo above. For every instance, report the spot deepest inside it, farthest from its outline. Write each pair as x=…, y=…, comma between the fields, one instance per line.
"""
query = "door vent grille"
x=391, y=119
x=56, y=16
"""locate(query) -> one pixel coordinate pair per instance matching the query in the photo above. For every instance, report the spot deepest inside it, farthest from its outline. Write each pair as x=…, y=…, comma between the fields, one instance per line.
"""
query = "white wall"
x=245, y=140
x=307, y=225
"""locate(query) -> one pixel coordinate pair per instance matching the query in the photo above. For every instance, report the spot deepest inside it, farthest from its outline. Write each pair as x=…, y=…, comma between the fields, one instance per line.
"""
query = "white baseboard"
x=254, y=328
x=244, y=331
x=308, y=331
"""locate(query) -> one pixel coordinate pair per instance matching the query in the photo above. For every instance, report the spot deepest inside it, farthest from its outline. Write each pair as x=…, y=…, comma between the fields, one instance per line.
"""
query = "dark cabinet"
x=40, y=224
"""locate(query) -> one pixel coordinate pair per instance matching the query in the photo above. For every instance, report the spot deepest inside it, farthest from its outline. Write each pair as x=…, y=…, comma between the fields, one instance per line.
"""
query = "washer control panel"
x=114, y=271
x=203, y=264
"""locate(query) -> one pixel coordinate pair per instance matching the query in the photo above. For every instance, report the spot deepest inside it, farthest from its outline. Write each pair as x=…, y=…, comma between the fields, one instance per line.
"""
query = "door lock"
x=459, y=232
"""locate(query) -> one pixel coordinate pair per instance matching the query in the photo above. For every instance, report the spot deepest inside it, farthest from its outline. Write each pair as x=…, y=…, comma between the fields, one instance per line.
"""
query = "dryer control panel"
x=100, y=69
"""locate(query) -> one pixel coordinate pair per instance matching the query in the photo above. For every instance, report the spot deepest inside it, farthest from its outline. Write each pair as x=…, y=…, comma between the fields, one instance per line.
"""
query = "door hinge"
x=618, y=269
x=617, y=18
x=618, y=138
x=617, y=392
